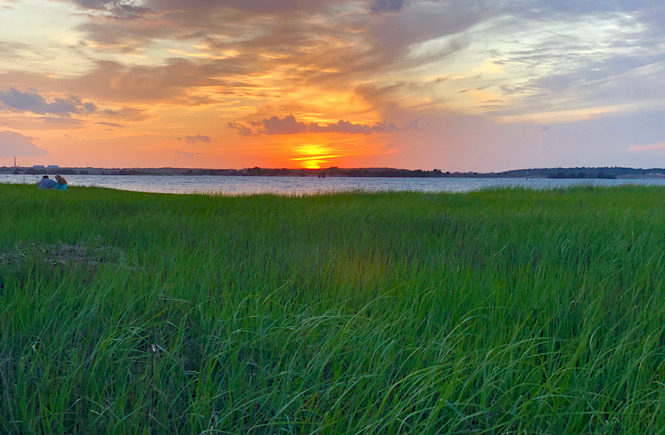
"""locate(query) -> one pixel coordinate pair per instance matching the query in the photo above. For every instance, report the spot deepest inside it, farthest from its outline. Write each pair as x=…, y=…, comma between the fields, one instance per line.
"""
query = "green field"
x=493, y=311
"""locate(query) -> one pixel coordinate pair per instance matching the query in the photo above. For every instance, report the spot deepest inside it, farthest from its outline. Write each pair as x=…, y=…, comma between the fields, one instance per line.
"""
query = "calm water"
x=211, y=184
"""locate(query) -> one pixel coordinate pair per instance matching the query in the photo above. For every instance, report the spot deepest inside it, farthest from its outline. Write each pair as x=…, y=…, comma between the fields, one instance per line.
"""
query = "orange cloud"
x=373, y=82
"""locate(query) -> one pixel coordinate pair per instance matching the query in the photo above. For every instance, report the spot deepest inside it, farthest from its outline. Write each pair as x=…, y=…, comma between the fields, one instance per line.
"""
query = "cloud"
x=255, y=7
x=533, y=62
x=15, y=144
x=351, y=128
x=166, y=82
x=195, y=139
x=240, y=128
x=46, y=122
x=289, y=125
x=60, y=122
x=209, y=20
x=386, y=5
x=116, y=8
x=646, y=148
x=286, y=125
x=332, y=44
x=35, y=103
x=14, y=50
x=340, y=127
x=111, y=124
x=187, y=155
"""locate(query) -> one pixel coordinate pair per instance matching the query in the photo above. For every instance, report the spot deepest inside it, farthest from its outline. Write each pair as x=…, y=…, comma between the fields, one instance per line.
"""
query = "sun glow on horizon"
x=312, y=156
x=371, y=83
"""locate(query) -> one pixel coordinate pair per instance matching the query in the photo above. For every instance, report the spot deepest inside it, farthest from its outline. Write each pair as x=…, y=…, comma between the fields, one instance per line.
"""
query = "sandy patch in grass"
x=63, y=254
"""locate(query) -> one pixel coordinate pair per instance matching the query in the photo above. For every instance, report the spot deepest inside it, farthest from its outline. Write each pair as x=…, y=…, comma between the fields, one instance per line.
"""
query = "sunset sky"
x=448, y=84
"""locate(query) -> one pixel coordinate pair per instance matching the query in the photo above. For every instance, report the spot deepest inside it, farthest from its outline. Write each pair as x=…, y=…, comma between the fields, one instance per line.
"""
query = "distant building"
x=52, y=167
x=38, y=167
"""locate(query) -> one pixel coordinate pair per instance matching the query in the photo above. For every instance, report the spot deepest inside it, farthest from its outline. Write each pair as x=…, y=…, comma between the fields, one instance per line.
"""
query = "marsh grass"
x=494, y=311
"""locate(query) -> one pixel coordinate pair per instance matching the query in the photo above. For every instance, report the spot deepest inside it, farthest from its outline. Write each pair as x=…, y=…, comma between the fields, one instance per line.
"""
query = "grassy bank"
x=505, y=310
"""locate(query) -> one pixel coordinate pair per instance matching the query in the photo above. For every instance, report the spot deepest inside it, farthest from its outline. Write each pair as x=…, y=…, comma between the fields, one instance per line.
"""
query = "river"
x=225, y=185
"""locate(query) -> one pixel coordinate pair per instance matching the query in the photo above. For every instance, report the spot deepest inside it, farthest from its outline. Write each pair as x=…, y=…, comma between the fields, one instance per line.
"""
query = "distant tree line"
x=582, y=172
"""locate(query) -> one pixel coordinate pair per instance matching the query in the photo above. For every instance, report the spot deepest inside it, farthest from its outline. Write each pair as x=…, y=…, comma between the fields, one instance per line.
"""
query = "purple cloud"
x=35, y=103
x=289, y=125
x=386, y=5
x=286, y=125
x=351, y=128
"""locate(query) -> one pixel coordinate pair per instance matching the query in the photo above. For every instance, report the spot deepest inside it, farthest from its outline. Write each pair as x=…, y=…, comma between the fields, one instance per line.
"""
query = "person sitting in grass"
x=62, y=183
x=47, y=183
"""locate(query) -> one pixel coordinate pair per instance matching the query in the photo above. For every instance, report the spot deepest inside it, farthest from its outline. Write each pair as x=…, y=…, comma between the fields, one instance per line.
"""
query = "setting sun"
x=313, y=156
x=371, y=83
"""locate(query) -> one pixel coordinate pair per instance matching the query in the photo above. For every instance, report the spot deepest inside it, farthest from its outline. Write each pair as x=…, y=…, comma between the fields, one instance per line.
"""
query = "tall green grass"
x=493, y=311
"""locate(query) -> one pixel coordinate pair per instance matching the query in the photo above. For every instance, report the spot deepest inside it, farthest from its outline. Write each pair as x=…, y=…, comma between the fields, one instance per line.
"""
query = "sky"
x=455, y=85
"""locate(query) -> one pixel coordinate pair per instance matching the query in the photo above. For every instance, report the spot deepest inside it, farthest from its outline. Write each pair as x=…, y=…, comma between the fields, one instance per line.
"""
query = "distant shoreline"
x=563, y=173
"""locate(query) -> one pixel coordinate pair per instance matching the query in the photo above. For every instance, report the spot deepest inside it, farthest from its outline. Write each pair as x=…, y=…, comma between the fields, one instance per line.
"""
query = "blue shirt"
x=47, y=183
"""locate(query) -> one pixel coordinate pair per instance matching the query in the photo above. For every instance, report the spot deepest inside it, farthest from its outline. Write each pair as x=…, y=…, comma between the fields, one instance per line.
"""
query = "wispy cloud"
x=194, y=139
x=110, y=124
x=187, y=154
x=647, y=148
x=15, y=144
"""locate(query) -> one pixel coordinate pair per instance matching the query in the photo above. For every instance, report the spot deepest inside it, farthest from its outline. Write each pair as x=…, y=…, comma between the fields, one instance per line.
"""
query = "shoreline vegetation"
x=507, y=310
x=581, y=172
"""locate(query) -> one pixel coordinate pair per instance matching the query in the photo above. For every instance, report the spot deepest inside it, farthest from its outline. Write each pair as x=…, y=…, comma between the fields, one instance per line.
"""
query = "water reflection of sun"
x=314, y=156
